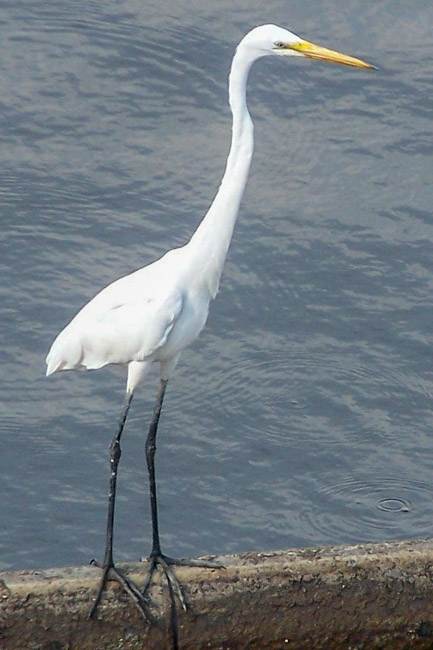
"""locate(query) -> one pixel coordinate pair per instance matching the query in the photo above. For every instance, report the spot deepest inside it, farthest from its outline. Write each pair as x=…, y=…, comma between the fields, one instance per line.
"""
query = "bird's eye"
x=279, y=44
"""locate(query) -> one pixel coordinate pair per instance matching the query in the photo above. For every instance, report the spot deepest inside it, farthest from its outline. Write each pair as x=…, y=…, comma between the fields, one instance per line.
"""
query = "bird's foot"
x=174, y=587
x=165, y=563
x=110, y=572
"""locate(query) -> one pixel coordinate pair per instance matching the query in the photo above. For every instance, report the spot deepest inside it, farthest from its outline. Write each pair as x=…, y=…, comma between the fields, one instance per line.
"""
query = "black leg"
x=150, y=459
x=109, y=571
x=115, y=453
x=157, y=558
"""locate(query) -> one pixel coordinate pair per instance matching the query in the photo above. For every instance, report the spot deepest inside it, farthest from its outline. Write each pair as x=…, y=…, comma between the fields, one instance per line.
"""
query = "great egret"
x=151, y=315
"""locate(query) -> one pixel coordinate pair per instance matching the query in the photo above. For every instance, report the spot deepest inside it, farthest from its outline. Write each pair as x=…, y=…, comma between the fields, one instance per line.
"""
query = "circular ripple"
x=393, y=505
x=354, y=510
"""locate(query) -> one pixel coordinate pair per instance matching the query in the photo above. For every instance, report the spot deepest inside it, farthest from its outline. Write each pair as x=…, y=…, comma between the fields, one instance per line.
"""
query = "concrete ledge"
x=368, y=596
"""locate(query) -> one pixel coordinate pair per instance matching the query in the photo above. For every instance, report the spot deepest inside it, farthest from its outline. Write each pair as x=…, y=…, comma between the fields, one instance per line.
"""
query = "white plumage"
x=153, y=314
x=149, y=315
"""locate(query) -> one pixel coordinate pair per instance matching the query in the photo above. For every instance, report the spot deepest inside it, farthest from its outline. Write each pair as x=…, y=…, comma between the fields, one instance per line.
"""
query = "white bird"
x=153, y=314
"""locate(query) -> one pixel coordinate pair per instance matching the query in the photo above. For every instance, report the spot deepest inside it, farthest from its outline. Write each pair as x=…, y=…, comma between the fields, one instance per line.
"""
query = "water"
x=303, y=415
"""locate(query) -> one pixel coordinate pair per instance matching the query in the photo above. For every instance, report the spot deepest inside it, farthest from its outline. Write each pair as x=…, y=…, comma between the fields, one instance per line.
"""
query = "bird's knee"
x=115, y=453
x=150, y=450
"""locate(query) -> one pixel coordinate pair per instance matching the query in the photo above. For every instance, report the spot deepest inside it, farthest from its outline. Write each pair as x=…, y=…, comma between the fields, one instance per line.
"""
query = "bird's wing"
x=132, y=330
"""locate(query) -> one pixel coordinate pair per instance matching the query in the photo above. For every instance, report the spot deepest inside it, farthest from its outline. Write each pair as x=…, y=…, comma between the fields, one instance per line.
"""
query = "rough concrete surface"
x=369, y=596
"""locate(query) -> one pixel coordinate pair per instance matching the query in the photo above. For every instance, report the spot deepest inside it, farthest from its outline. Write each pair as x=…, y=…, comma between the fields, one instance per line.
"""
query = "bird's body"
x=157, y=311
x=147, y=316
x=153, y=314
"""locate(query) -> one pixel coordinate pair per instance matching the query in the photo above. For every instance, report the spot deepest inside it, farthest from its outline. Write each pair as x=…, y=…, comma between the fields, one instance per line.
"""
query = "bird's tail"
x=65, y=352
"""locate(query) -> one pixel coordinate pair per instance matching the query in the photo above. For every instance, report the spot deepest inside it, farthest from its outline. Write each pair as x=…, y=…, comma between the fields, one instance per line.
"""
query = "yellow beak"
x=312, y=51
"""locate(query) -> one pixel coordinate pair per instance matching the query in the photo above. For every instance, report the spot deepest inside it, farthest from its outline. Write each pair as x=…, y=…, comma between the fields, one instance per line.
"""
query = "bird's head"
x=270, y=39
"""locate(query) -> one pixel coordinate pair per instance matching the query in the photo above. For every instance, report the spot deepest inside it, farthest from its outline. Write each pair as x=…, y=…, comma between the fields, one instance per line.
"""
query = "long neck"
x=212, y=238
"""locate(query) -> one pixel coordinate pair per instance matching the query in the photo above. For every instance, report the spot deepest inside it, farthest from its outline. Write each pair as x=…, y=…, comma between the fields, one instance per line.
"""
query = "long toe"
x=164, y=563
x=176, y=592
x=129, y=587
x=173, y=581
x=204, y=564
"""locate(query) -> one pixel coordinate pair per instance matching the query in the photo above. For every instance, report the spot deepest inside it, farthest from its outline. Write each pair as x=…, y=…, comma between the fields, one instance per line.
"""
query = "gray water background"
x=303, y=415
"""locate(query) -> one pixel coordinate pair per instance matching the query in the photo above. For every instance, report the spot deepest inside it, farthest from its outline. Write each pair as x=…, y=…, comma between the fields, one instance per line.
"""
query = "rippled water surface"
x=303, y=414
